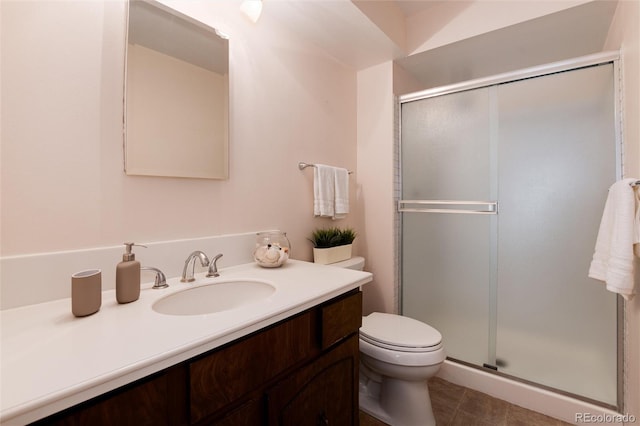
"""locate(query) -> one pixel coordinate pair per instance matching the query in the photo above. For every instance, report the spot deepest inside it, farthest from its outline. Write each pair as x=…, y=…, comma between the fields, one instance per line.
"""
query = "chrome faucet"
x=204, y=261
x=161, y=280
x=213, y=268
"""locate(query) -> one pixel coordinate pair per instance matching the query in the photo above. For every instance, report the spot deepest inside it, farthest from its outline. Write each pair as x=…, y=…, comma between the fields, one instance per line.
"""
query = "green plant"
x=332, y=237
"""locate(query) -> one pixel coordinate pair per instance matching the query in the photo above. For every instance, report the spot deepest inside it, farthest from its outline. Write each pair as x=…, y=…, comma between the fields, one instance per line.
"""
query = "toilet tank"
x=356, y=263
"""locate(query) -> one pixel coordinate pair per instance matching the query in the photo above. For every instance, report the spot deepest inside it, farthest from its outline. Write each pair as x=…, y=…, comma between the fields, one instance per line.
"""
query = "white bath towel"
x=323, y=191
x=341, y=185
x=613, y=257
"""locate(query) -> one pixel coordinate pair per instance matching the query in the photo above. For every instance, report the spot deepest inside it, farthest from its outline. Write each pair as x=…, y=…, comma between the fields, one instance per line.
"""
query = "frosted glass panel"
x=557, y=158
x=445, y=277
x=445, y=269
x=445, y=147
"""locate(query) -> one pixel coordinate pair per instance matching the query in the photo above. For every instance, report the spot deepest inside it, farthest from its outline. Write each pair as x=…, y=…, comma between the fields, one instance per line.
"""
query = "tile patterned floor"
x=455, y=405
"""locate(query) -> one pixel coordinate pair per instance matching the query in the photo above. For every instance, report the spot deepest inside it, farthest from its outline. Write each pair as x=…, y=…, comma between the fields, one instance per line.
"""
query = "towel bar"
x=303, y=166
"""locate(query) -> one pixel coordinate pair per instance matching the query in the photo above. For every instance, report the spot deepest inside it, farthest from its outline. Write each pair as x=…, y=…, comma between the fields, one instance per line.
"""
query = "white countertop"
x=51, y=360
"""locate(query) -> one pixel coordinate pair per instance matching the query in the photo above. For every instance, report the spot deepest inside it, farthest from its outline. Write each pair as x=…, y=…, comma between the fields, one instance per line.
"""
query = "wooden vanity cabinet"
x=300, y=371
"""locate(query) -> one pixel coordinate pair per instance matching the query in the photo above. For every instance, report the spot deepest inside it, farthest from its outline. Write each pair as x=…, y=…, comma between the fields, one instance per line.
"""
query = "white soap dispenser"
x=128, y=276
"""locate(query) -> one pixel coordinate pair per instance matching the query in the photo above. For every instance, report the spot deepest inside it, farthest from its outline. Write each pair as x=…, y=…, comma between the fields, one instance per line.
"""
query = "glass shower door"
x=503, y=189
x=446, y=257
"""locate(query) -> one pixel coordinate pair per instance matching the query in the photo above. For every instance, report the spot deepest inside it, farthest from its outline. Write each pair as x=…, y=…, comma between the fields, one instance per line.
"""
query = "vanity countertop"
x=51, y=360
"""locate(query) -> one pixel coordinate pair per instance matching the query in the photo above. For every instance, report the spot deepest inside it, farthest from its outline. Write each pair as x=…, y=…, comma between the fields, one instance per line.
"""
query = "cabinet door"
x=322, y=393
x=230, y=374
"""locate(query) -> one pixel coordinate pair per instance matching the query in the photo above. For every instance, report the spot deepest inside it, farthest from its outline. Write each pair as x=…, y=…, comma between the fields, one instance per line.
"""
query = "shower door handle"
x=448, y=206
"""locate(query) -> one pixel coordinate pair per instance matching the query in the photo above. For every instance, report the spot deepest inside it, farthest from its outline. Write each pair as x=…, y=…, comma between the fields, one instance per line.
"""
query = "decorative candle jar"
x=272, y=249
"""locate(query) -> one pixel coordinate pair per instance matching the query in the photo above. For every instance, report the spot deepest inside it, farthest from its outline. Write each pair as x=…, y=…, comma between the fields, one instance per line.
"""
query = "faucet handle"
x=160, y=281
x=213, y=268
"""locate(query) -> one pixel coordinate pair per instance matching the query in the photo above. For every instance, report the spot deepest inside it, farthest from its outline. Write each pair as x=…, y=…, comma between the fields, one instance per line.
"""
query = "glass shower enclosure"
x=503, y=187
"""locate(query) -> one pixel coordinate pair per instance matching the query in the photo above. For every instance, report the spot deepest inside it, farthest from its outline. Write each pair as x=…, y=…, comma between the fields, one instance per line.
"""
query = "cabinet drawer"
x=232, y=372
x=341, y=318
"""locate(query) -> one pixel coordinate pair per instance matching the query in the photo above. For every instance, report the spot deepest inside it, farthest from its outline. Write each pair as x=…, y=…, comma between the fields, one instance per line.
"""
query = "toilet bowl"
x=397, y=356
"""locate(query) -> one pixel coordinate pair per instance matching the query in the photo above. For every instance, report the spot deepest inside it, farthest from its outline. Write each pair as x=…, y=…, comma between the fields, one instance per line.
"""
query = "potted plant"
x=331, y=245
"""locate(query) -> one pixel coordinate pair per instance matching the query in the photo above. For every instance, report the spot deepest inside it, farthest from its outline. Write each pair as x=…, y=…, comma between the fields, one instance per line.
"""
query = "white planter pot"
x=326, y=256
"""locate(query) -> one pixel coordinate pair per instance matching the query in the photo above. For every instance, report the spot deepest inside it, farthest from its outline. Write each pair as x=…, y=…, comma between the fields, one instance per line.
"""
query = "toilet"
x=397, y=356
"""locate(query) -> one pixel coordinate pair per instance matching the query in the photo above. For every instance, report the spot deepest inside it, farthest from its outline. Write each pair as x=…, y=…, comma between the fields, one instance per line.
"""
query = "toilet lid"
x=389, y=330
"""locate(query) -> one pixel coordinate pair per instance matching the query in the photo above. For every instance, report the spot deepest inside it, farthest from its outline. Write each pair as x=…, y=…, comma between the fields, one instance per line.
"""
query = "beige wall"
x=63, y=185
x=375, y=184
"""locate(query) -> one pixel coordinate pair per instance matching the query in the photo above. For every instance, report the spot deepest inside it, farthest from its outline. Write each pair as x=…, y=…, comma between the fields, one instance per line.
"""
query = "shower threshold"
x=489, y=379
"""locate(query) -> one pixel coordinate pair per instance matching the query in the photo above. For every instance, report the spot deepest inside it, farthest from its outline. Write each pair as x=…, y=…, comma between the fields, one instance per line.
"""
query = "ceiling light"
x=252, y=9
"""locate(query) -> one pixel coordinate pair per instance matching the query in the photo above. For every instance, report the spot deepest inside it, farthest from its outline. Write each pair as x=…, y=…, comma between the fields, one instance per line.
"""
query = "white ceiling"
x=346, y=33
x=340, y=28
x=336, y=26
x=411, y=7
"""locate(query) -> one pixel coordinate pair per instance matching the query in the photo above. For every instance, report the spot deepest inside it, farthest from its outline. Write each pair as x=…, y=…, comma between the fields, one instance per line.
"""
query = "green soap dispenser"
x=128, y=276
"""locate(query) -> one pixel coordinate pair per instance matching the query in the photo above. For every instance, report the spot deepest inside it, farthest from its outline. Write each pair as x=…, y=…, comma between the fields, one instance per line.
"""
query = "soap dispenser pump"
x=128, y=276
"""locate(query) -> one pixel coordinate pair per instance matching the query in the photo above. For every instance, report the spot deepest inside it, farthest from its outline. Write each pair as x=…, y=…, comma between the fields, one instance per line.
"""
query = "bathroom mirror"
x=176, y=95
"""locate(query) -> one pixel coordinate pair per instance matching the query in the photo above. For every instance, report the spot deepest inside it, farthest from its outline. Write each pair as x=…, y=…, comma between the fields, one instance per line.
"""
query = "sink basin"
x=215, y=297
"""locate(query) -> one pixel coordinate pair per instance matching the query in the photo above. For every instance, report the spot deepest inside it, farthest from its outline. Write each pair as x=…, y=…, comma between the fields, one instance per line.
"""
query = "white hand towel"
x=323, y=191
x=613, y=257
x=341, y=193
